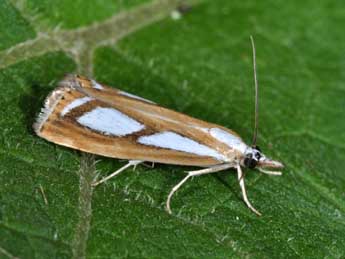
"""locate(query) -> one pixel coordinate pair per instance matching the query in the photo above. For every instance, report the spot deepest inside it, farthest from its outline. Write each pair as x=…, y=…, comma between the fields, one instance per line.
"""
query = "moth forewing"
x=122, y=127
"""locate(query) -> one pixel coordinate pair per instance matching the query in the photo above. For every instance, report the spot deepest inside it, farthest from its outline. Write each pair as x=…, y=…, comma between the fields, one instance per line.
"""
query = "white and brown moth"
x=92, y=117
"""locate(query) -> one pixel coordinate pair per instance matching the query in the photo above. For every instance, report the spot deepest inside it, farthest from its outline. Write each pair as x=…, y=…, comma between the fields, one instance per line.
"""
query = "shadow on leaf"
x=31, y=104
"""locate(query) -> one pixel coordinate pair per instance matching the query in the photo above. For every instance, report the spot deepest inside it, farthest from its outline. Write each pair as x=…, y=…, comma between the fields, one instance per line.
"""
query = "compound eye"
x=250, y=162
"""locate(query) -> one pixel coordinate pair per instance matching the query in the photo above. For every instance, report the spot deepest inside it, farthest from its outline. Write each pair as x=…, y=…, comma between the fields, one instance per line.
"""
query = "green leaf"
x=13, y=27
x=200, y=65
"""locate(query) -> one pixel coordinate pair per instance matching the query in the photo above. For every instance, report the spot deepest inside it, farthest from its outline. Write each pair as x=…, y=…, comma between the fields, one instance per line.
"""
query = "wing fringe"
x=66, y=85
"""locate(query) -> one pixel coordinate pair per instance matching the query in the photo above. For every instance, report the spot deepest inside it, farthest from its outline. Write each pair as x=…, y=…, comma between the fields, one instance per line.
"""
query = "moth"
x=95, y=118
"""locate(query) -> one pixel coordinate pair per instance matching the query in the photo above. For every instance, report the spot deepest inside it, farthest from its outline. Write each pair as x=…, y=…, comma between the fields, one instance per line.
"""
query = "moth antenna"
x=256, y=124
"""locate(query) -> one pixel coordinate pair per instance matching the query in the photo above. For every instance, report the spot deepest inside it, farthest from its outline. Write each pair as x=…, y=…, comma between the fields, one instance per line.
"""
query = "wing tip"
x=66, y=84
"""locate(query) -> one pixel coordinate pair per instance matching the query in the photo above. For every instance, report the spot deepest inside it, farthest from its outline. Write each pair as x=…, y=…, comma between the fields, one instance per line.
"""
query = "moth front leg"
x=240, y=176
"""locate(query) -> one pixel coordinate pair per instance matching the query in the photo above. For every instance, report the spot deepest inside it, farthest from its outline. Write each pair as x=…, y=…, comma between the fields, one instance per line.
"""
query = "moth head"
x=254, y=158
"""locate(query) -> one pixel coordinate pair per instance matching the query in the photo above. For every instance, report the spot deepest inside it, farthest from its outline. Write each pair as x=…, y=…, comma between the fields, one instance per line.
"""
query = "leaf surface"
x=200, y=65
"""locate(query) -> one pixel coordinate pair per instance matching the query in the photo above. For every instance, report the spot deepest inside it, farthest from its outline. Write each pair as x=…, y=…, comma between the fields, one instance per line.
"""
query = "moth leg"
x=269, y=172
x=130, y=163
x=190, y=174
x=152, y=165
x=243, y=188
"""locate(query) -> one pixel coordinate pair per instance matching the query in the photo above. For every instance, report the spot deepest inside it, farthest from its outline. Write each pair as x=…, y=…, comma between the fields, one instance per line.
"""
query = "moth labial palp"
x=92, y=117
